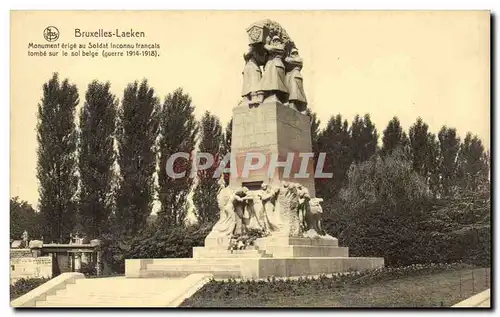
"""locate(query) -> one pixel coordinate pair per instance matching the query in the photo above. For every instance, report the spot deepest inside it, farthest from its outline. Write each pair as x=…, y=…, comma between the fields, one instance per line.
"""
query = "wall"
x=30, y=267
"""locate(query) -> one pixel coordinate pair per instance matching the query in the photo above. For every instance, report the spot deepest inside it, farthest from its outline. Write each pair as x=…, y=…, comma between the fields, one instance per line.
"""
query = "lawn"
x=442, y=289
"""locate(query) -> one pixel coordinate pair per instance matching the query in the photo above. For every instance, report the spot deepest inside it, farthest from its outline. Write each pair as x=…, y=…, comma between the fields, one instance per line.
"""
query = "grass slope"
x=442, y=289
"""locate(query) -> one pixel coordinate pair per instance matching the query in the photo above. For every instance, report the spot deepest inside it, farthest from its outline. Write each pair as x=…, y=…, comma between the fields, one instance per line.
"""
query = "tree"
x=433, y=164
x=334, y=141
x=56, y=166
x=364, y=138
x=383, y=210
x=24, y=217
x=394, y=137
x=178, y=130
x=461, y=227
x=424, y=153
x=137, y=131
x=226, y=147
x=419, y=140
x=315, y=133
x=473, y=165
x=388, y=180
x=315, y=130
x=96, y=158
x=205, y=193
x=449, y=145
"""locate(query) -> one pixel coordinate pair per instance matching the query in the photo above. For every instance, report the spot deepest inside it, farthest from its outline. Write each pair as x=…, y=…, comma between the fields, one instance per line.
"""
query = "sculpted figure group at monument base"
x=272, y=68
x=286, y=210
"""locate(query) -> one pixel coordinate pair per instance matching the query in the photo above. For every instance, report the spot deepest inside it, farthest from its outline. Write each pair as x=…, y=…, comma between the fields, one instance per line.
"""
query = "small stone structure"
x=37, y=259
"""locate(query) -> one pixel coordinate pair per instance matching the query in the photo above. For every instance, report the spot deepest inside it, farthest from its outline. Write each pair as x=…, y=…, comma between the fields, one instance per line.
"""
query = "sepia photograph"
x=244, y=159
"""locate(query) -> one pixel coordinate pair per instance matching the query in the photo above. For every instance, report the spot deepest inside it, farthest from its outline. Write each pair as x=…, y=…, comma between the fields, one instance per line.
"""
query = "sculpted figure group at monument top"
x=272, y=69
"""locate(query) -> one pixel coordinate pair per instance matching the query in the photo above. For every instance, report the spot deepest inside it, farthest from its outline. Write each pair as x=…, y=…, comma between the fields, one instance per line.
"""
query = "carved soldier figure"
x=303, y=208
x=251, y=92
x=273, y=80
x=239, y=209
x=244, y=209
x=227, y=217
x=297, y=97
x=268, y=197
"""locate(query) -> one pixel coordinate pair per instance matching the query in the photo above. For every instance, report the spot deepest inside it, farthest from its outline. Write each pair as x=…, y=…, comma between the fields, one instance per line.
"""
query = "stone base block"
x=277, y=251
x=217, y=242
x=300, y=251
x=208, y=252
x=263, y=243
x=247, y=267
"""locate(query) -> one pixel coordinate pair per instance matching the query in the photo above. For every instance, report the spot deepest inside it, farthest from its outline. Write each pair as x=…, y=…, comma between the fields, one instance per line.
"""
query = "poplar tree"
x=335, y=143
x=96, y=158
x=315, y=133
x=137, y=131
x=178, y=130
x=56, y=165
x=226, y=148
x=449, y=144
x=205, y=193
x=393, y=137
x=364, y=138
x=473, y=164
x=425, y=151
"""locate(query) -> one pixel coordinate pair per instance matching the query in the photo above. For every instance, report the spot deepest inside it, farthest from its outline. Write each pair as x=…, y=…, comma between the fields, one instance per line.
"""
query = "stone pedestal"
x=274, y=130
x=273, y=256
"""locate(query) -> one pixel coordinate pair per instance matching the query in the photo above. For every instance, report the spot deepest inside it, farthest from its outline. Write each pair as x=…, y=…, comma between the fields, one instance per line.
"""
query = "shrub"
x=389, y=179
x=385, y=211
x=174, y=242
x=88, y=269
x=23, y=286
x=153, y=242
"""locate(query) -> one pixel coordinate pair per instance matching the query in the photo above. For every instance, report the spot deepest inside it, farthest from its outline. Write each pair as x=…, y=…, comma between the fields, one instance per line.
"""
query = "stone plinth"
x=247, y=267
x=275, y=130
x=271, y=256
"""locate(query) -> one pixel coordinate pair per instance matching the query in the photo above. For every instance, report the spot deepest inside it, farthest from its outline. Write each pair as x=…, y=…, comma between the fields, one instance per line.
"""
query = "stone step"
x=102, y=296
x=183, y=261
x=174, y=270
x=122, y=292
x=176, y=274
x=122, y=280
x=78, y=302
x=137, y=285
x=261, y=243
x=194, y=266
x=106, y=293
x=96, y=299
x=300, y=251
x=208, y=253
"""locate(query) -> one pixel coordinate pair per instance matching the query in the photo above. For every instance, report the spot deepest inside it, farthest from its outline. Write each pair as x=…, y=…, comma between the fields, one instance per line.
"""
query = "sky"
x=435, y=65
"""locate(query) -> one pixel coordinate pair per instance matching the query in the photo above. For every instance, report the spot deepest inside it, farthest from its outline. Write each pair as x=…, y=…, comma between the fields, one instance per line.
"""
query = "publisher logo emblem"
x=51, y=33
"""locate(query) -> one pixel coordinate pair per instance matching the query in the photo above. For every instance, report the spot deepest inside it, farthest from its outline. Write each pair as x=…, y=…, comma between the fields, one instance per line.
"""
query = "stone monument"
x=270, y=217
